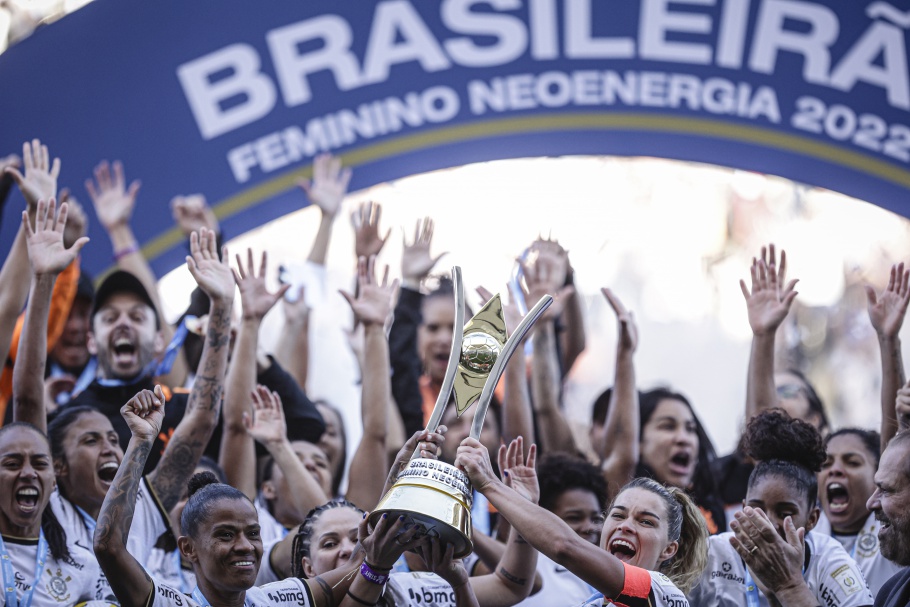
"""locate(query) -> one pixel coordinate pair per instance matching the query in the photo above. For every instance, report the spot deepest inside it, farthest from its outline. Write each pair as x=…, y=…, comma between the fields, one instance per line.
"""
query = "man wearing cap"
x=891, y=505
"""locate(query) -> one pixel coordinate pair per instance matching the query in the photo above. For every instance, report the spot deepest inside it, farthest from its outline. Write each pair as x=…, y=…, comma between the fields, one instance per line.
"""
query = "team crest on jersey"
x=867, y=544
x=57, y=586
x=664, y=580
x=848, y=579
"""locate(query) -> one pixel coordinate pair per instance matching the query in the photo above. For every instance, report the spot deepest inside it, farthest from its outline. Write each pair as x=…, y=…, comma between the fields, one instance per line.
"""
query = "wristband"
x=360, y=600
x=371, y=575
x=133, y=248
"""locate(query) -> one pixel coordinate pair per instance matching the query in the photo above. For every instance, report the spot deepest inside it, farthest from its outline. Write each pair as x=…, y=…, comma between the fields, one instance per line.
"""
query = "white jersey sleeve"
x=833, y=576
x=267, y=575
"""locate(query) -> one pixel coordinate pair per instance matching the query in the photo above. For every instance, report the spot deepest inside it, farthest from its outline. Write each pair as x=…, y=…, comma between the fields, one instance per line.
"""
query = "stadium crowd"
x=146, y=463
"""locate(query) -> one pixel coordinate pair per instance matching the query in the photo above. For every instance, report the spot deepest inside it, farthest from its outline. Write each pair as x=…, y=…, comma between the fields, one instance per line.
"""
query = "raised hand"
x=213, y=276
x=46, y=252
x=112, y=200
x=329, y=184
x=144, y=413
x=545, y=274
x=769, y=300
x=11, y=161
x=416, y=261
x=626, y=329
x=76, y=219
x=887, y=310
x=518, y=473
x=374, y=302
x=192, y=212
x=775, y=562
x=366, y=230
x=429, y=444
x=474, y=459
x=254, y=295
x=267, y=424
x=40, y=179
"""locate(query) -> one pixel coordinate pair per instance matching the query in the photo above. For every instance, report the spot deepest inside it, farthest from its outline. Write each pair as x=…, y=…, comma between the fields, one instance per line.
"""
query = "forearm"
x=798, y=596
x=28, y=373
x=518, y=566
x=129, y=581
x=366, y=591
x=238, y=452
x=306, y=493
x=555, y=434
x=761, y=393
x=15, y=279
x=464, y=595
x=892, y=381
x=517, y=419
x=370, y=459
x=293, y=350
x=320, y=249
x=623, y=424
x=574, y=339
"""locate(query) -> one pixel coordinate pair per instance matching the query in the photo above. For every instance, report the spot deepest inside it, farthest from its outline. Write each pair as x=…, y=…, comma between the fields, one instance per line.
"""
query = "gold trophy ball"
x=479, y=352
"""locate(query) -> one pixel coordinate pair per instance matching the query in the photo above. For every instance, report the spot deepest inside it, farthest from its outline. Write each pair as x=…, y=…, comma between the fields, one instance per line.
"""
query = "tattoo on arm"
x=173, y=471
x=328, y=596
x=120, y=502
x=519, y=581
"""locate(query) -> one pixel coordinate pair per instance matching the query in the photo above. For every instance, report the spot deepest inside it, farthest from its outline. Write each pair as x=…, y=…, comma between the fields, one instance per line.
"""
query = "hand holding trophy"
x=433, y=494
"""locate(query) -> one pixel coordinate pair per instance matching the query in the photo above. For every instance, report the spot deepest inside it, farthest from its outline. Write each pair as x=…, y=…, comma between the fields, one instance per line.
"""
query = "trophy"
x=431, y=493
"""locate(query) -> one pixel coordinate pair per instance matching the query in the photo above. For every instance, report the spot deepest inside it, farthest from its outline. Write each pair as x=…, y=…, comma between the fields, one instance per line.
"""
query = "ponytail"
x=686, y=566
x=55, y=535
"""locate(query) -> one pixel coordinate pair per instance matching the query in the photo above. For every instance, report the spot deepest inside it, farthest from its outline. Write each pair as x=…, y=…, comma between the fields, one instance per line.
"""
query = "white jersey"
x=60, y=583
x=832, y=576
x=165, y=567
x=270, y=530
x=864, y=549
x=292, y=592
x=267, y=574
x=418, y=588
x=560, y=586
x=663, y=593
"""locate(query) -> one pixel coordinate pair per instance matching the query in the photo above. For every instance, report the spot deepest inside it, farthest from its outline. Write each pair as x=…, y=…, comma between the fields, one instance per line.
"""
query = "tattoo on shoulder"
x=512, y=578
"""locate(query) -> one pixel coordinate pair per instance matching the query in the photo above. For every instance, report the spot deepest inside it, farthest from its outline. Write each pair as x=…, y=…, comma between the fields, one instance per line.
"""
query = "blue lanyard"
x=9, y=577
x=752, y=596
x=87, y=519
x=594, y=598
x=177, y=565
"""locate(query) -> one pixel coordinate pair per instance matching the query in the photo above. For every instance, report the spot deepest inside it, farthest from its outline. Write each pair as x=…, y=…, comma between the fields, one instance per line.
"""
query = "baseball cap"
x=122, y=281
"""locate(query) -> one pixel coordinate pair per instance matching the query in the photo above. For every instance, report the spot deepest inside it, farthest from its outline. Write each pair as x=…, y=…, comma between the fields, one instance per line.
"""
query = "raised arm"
x=48, y=257
x=131, y=584
x=571, y=323
x=542, y=278
x=768, y=303
x=114, y=203
x=38, y=182
x=623, y=424
x=267, y=425
x=539, y=527
x=372, y=308
x=886, y=312
x=185, y=447
x=238, y=453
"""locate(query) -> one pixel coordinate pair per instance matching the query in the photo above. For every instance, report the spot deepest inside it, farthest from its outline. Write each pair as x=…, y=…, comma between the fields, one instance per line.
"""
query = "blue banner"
x=234, y=98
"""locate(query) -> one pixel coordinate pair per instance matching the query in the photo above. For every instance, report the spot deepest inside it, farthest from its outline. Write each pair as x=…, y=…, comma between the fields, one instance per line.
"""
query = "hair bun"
x=200, y=480
x=774, y=435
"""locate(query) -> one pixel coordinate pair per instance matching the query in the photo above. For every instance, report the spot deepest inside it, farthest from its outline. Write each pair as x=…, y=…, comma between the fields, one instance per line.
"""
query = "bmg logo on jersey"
x=433, y=595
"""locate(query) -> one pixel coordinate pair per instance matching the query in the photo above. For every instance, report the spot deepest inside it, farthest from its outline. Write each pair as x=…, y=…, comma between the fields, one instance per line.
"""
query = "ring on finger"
x=753, y=550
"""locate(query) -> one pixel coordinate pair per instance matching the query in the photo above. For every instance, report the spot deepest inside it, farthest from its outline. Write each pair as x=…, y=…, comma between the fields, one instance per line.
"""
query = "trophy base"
x=436, y=496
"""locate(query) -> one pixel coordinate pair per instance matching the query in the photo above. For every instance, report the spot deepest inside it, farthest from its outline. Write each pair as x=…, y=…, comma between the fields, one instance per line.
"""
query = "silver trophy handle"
x=502, y=360
x=445, y=392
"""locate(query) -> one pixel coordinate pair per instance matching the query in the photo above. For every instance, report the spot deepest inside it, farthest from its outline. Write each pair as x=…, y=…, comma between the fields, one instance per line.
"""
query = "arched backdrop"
x=234, y=98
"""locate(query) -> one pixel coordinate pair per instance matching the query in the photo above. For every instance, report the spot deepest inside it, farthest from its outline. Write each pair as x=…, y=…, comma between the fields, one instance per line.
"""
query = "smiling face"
x=71, y=350
x=891, y=502
x=779, y=498
x=26, y=480
x=636, y=530
x=434, y=337
x=846, y=482
x=124, y=336
x=332, y=540
x=580, y=511
x=91, y=456
x=226, y=550
x=669, y=443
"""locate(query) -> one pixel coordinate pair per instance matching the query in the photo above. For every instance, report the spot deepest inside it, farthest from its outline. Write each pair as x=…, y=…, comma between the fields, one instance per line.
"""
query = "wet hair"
x=561, y=472
x=704, y=486
x=871, y=440
x=203, y=490
x=685, y=525
x=58, y=428
x=815, y=403
x=787, y=448
x=343, y=460
x=301, y=546
x=54, y=532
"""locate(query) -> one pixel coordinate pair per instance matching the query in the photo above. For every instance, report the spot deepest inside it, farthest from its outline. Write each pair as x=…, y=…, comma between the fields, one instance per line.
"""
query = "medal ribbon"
x=9, y=576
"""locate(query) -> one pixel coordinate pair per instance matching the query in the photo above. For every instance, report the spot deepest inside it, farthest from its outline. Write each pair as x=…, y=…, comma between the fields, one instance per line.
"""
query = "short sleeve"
x=842, y=584
x=636, y=588
x=168, y=596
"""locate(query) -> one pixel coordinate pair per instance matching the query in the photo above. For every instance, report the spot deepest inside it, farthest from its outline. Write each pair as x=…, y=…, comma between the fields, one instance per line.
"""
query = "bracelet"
x=360, y=600
x=371, y=575
x=133, y=248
